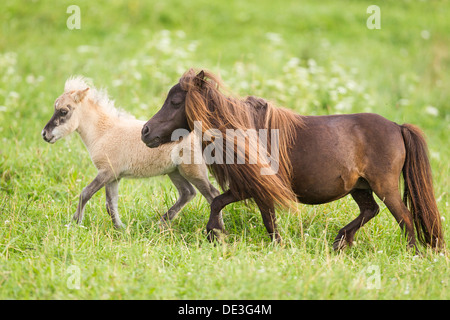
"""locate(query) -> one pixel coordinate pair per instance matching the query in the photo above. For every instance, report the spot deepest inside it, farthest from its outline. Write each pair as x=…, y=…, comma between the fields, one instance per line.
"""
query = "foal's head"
x=66, y=117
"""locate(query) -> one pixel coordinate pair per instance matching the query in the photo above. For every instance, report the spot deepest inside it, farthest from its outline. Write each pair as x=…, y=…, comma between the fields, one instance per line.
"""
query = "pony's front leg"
x=100, y=180
x=112, y=196
x=270, y=220
x=215, y=227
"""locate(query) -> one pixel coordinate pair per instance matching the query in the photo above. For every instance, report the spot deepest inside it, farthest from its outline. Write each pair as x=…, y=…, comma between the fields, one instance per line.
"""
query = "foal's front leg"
x=100, y=180
x=112, y=196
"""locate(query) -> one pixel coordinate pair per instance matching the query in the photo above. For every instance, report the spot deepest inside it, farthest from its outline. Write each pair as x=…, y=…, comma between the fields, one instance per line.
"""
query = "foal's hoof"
x=164, y=224
x=216, y=234
x=120, y=227
x=73, y=226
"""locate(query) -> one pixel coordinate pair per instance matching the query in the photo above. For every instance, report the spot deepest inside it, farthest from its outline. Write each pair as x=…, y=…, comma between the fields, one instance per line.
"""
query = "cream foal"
x=113, y=140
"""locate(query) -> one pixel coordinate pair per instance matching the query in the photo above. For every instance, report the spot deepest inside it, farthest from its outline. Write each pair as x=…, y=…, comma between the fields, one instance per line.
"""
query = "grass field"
x=313, y=57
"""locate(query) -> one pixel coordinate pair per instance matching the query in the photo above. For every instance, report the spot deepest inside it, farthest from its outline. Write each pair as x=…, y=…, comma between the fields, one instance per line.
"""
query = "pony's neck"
x=93, y=123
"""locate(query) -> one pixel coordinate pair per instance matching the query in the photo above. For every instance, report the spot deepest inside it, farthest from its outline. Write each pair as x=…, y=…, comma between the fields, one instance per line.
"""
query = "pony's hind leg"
x=112, y=197
x=393, y=201
x=368, y=209
x=186, y=193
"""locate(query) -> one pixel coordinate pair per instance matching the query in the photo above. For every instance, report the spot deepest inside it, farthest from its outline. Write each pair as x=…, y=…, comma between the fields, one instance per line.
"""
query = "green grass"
x=315, y=58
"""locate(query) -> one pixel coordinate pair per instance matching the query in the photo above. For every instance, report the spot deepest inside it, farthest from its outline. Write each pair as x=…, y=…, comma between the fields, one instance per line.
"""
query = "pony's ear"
x=79, y=95
x=199, y=79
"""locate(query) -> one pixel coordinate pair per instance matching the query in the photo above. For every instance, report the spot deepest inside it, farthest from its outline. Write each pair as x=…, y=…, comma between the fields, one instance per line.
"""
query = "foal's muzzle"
x=48, y=137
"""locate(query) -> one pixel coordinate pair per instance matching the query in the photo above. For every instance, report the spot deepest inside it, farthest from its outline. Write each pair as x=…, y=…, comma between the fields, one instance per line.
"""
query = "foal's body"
x=116, y=155
x=113, y=141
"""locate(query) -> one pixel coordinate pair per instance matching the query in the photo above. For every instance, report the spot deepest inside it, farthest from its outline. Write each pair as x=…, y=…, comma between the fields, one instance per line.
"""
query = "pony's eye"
x=177, y=103
x=63, y=111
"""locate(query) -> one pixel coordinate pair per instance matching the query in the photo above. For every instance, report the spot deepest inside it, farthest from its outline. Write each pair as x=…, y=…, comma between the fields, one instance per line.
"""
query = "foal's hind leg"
x=198, y=176
x=186, y=193
x=112, y=196
x=368, y=209
x=102, y=178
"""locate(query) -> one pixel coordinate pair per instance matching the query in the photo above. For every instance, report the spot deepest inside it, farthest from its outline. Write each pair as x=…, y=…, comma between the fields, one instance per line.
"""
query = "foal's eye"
x=64, y=111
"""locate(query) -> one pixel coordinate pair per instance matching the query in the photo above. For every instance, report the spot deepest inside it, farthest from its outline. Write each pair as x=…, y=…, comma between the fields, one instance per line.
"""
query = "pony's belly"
x=310, y=198
x=326, y=189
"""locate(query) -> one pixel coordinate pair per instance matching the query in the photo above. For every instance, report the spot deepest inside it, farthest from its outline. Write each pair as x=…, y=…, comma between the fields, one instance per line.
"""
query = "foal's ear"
x=79, y=95
x=199, y=79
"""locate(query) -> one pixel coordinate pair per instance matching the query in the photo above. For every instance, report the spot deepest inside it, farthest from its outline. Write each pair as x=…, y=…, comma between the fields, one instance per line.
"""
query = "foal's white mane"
x=99, y=97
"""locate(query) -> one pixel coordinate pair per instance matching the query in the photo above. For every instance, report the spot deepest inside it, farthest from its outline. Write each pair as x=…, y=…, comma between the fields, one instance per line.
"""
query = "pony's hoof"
x=216, y=235
x=414, y=250
x=276, y=239
x=340, y=243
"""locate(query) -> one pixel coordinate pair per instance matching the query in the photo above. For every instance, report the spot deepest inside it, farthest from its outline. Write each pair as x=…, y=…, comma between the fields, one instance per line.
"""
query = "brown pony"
x=320, y=159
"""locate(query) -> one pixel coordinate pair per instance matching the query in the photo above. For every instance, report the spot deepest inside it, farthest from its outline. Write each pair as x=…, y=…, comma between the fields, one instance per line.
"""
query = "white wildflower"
x=14, y=94
x=435, y=155
x=117, y=82
x=425, y=34
x=403, y=102
x=137, y=75
x=293, y=62
x=433, y=111
x=273, y=37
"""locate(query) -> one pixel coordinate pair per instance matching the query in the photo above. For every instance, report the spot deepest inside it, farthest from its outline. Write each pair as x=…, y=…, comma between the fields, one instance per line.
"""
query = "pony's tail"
x=418, y=188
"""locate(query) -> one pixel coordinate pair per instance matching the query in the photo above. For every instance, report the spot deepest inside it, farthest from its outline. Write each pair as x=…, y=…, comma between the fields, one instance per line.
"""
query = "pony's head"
x=198, y=98
x=174, y=114
x=66, y=117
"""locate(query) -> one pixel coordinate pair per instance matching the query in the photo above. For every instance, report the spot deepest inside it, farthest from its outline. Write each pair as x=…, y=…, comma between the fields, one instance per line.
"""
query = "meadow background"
x=315, y=57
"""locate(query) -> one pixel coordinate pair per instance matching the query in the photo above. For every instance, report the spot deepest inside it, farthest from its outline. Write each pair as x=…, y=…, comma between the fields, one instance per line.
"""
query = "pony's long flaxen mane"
x=206, y=103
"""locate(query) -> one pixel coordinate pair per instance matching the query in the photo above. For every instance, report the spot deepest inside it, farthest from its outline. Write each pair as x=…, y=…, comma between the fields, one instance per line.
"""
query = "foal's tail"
x=418, y=189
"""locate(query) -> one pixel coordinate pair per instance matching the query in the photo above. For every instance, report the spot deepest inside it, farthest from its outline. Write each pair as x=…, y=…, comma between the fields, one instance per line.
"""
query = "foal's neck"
x=94, y=122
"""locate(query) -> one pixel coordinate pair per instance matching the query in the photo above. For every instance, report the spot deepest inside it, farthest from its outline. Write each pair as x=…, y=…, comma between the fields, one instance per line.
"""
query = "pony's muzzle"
x=146, y=137
x=155, y=142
